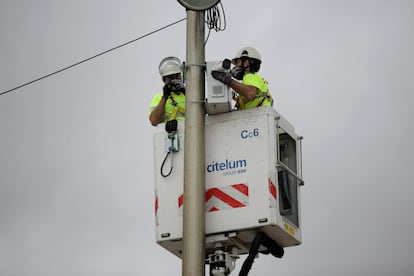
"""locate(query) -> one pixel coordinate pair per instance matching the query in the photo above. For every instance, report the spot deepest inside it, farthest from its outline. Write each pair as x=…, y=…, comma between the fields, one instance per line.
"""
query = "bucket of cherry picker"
x=253, y=175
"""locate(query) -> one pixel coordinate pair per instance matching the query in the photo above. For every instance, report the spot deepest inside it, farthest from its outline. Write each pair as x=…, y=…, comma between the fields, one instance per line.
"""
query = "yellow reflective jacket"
x=263, y=97
x=173, y=102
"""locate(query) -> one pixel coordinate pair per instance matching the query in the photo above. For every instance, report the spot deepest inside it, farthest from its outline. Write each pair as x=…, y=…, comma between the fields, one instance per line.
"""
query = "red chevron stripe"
x=216, y=192
x=180, y=201
x=272, y=188
x=223, y=197
x=243, y=188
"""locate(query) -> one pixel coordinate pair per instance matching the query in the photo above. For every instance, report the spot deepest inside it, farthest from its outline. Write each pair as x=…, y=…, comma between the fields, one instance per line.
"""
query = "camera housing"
x=218, y=95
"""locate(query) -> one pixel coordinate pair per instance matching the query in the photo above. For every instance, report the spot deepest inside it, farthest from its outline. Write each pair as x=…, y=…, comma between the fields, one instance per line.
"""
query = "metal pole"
x=194, y=149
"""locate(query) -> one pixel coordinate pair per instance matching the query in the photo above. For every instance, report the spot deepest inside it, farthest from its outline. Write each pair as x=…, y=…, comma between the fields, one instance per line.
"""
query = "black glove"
x=167, y=90
x=224, y=77
x=178, y=86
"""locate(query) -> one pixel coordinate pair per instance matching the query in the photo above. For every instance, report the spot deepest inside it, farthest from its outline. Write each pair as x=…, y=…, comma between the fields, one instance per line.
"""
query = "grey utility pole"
x=194, y=149
x=194, y=140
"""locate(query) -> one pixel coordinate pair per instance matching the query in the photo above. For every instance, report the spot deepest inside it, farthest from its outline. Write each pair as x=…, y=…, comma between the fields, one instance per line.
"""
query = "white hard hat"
x=170, y=66
x=249, y=52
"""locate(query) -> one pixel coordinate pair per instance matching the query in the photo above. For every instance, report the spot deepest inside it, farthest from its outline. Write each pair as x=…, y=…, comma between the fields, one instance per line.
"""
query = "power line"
x=92, y=57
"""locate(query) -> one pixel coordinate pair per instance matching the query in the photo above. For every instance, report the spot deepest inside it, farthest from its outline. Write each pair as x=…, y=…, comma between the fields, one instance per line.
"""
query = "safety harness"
x=176, y=109
x=240, y=104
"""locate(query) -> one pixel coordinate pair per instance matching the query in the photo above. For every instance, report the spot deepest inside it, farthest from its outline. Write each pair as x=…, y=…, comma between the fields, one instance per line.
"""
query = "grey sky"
x=76, y=181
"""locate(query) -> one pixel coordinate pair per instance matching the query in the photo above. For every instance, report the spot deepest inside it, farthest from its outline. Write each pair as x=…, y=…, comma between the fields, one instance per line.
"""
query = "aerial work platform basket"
x=253, y=175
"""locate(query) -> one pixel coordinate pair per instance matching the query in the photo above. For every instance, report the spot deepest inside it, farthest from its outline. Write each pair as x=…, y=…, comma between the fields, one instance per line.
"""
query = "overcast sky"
x=76, y=171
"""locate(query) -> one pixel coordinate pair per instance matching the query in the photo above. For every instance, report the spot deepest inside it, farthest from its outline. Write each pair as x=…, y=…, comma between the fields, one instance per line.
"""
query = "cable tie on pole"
x=195, y=65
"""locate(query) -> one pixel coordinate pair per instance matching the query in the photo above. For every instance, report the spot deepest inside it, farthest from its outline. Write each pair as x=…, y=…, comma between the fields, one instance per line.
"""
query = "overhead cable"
x=92, y=57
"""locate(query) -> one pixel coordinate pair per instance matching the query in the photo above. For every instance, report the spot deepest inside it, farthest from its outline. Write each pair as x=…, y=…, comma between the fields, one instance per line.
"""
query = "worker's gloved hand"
x=167, y=90
x=224, y=77
x=178, y=86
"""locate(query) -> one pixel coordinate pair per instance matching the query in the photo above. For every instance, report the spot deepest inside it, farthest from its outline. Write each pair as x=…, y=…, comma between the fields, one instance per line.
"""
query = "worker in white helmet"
x=170, y=104
x=252, y=90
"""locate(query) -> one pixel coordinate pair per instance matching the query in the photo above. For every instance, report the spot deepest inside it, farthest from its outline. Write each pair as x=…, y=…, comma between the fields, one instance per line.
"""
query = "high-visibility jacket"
x=263, y=97
x=175, y=105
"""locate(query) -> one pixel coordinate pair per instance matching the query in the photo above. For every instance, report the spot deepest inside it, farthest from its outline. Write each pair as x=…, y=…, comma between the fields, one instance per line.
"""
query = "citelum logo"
x=226, y=165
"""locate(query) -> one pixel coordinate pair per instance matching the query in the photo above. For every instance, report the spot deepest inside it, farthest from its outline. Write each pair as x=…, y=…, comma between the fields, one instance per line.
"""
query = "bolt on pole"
x=194, y=149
